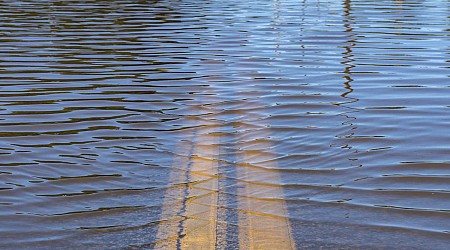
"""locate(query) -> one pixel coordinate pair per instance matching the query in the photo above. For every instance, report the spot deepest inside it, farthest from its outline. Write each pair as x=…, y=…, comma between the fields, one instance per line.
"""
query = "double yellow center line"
x=190, y=218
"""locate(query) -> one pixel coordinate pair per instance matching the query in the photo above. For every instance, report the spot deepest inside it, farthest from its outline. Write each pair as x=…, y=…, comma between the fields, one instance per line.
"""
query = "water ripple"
x=109, y=110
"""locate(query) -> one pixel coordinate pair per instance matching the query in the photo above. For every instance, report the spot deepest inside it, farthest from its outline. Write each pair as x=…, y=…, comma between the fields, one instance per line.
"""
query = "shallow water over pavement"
x=130, y=124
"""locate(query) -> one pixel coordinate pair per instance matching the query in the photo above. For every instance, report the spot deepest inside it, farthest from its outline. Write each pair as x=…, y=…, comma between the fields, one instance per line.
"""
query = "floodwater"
x=225, y=124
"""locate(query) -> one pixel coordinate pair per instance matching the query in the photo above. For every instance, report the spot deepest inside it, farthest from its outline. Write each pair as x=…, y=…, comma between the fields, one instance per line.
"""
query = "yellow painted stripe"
x=193, y=215
x=202, y=205
x=173, y=202
x=264, y=221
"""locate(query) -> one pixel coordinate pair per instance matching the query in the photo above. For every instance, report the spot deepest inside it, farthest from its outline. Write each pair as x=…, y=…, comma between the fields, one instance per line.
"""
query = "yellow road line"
x=194, y=214
x=171, y=217
x=264, y=222
x=201, y=207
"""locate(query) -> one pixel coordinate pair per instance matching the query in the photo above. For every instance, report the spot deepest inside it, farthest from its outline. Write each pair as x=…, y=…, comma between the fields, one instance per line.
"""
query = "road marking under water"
x=201, y=208
x=191, y=221
x=190, y=210
x=266, y=215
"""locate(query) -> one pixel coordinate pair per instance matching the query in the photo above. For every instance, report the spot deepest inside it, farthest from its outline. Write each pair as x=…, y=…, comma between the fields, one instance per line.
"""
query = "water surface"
x=342, y=107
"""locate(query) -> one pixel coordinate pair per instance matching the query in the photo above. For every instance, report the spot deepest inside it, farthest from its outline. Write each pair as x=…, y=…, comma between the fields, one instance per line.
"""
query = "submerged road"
x=211, y=124
x=198, y=222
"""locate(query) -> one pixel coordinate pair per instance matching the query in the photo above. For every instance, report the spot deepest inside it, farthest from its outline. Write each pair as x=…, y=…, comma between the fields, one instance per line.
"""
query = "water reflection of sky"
x=106, y=107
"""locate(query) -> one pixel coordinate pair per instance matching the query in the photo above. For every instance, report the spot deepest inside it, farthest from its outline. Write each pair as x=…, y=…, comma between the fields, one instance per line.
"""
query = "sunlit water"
x=346, y=101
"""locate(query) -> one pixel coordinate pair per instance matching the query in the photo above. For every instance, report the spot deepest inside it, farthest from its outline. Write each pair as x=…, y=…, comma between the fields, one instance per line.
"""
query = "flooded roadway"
x=225, y=124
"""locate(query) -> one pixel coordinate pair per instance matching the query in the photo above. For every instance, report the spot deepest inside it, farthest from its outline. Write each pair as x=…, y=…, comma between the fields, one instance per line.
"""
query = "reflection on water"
x=130, y=123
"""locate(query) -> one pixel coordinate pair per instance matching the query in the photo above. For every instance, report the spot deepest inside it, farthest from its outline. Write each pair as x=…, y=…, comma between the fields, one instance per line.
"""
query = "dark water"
x=346, y=101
